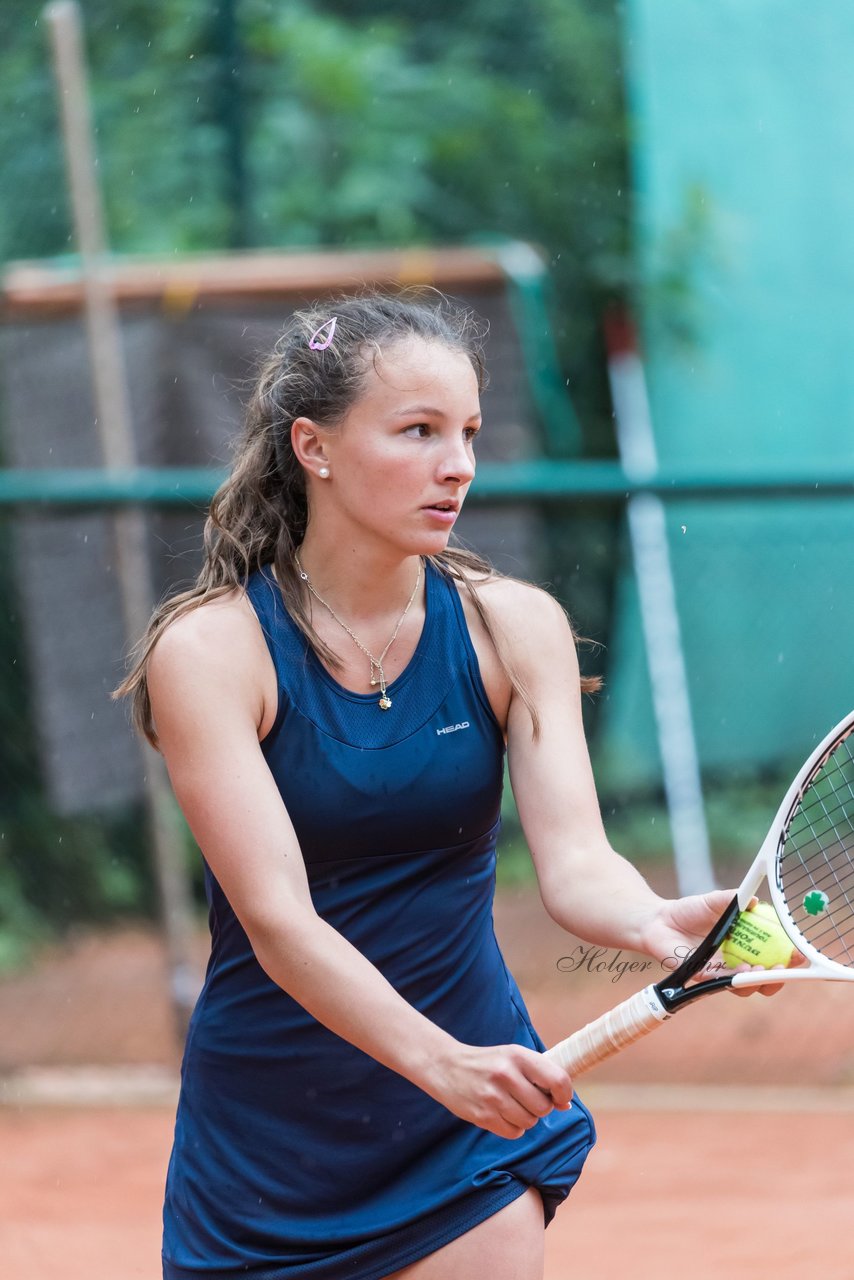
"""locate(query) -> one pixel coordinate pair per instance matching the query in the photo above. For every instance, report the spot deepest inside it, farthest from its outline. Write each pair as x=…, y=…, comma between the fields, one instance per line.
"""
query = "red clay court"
x=702, y=1166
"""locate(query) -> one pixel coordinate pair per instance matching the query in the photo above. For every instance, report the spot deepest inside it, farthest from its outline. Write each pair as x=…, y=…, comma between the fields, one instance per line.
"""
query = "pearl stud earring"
x=323, y=472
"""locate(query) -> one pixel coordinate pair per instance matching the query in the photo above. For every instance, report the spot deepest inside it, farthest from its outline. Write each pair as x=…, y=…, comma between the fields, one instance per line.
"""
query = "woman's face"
x=402, y=460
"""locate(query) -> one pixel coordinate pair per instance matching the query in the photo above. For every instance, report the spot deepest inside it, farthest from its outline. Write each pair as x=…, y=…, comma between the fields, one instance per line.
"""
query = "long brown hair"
x=259, y=515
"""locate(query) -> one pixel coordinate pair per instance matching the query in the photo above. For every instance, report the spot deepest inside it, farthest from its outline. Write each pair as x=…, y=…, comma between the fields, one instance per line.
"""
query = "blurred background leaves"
x=339, y=123
x=256, y=124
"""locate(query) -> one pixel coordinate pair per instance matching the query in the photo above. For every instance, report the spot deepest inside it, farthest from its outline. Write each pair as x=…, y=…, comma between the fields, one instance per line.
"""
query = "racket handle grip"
x=616, y=1029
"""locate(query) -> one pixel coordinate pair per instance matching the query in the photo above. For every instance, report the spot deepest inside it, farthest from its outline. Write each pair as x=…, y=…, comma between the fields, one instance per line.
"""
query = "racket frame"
x=773, y=849
x=765, y=866
x=647, y=1009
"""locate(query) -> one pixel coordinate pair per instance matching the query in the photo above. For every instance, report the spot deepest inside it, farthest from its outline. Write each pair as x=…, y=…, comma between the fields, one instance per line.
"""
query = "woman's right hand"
x=505, y=1088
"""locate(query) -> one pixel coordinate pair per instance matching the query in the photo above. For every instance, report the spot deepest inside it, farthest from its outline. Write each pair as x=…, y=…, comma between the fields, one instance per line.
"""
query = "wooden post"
x=118, y=451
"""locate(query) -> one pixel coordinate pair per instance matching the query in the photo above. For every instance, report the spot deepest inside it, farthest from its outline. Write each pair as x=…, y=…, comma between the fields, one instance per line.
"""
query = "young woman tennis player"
x=363, y=1094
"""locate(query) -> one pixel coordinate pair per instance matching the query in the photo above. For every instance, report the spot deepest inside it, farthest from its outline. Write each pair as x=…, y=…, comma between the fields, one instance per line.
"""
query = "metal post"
x=659, y=615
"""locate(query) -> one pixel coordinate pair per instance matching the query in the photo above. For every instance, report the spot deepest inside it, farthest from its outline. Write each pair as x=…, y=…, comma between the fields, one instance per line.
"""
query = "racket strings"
x=816, y=857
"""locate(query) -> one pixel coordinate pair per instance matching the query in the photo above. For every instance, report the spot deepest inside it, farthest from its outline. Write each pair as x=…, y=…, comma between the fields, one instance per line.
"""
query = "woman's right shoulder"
x=210, y=673
x=208, y=639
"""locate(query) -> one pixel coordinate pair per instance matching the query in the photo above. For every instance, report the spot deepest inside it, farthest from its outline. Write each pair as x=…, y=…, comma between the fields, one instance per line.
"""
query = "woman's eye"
x=470, y=434
x=419, y=429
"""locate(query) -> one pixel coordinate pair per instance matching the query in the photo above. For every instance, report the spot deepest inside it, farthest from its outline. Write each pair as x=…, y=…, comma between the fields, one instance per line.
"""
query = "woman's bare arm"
x=586, y=886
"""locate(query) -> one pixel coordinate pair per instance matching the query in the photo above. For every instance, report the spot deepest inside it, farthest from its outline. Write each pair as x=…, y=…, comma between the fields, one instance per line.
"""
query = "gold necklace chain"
x=376, y=663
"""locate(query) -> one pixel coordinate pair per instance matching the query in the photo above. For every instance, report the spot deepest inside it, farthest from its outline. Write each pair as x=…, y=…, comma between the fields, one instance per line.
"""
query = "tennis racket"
x=807, y=859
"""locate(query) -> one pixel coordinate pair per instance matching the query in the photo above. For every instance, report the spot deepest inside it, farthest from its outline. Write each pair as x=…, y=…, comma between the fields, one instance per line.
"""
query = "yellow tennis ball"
x=757, y=937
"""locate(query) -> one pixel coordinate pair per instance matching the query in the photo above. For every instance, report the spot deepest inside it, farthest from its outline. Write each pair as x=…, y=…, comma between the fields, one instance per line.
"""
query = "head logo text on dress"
x=452, y=728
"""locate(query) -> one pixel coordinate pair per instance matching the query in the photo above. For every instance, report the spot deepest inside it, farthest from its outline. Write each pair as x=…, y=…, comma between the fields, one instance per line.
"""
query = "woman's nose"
x=458, y=463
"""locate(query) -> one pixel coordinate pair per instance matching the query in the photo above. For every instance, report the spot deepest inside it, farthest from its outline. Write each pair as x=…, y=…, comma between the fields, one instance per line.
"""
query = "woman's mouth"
x=447, y=512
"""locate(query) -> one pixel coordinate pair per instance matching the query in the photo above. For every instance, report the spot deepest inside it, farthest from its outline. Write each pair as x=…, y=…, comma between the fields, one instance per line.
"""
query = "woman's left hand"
x=680, y=925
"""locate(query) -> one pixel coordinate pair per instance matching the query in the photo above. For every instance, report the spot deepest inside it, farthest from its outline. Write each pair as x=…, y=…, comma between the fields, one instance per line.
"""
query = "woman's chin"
x=433, y=544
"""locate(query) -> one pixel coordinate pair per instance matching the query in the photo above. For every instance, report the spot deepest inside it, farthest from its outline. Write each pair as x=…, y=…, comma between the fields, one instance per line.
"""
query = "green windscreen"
x=743, y=151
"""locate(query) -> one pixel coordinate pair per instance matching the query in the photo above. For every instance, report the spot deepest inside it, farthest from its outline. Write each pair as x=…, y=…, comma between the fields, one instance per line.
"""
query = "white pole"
x=118, y=451
x=659, y=616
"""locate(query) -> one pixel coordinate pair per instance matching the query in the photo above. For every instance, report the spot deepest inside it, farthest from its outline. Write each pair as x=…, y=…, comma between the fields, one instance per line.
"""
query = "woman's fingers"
x=504, y=1088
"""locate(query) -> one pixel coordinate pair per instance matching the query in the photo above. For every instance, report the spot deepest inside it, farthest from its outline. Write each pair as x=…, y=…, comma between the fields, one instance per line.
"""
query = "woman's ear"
x=310, y=447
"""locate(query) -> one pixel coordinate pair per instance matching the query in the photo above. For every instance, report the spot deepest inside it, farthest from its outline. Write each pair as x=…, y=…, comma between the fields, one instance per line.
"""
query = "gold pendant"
x=385, y=702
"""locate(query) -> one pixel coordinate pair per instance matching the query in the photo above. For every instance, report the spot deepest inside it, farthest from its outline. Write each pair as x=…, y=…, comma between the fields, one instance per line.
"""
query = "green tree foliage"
x=335, y=123
x=357, y=123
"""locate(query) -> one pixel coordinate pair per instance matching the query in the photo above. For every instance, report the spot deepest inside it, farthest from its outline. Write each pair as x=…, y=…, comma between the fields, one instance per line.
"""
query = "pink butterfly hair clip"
x=322, y=336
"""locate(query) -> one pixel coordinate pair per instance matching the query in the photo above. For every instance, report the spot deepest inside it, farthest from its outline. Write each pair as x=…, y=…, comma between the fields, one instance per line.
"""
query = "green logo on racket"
x=816, y=902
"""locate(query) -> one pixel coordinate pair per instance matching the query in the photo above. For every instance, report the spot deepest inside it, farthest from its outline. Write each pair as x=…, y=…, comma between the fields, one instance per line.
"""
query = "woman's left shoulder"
x=524, y=610
x=526, y=631
x=527, y=624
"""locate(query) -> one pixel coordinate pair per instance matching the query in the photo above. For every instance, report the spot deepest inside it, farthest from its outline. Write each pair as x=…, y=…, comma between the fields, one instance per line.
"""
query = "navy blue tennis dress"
x=297, y=1154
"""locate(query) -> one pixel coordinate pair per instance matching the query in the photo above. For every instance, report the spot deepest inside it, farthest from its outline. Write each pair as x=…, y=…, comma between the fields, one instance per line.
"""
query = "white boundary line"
x=157, y=1086
x=720, y=1097
x=117, y=1086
